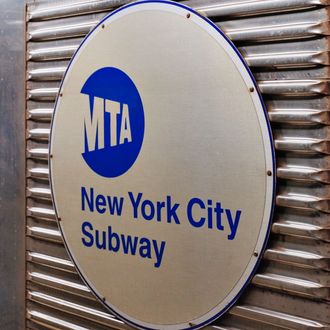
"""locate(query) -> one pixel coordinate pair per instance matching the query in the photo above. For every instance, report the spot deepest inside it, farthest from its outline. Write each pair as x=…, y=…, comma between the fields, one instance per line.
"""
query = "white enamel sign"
x=162, y=168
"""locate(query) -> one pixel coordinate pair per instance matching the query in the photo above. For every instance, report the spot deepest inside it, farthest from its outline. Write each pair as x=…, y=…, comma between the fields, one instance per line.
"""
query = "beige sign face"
x=160, y=149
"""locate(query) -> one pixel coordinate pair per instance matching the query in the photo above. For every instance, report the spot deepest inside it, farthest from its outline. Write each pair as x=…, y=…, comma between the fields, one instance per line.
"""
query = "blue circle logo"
x=113, y=122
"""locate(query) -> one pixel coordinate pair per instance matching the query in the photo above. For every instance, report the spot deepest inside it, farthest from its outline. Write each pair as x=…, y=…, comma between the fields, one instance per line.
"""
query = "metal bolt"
x=102, y=26
x=59, y=218
x=251, y=89
x=50, y=156
x=255, y=253
x=103, y=299
x=269, y=173
x=188, y=15
x=61, y=94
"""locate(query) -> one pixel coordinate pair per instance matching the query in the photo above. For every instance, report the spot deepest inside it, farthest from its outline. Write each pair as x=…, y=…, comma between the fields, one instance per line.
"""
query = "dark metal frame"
x=12, y=164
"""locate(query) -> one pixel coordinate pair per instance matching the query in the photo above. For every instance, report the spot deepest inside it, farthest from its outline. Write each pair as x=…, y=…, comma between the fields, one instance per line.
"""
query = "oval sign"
x=162, y=166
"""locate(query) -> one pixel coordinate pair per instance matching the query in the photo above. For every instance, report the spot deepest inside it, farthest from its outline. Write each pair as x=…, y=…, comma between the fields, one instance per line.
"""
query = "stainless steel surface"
x=12, y=165
x=280, y=320
x=302, y=25
x=228, y=8
x=211, y=8
x=286, y=43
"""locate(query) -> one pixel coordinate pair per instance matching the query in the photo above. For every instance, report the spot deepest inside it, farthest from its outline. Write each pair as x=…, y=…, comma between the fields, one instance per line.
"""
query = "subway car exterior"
x=285, y=45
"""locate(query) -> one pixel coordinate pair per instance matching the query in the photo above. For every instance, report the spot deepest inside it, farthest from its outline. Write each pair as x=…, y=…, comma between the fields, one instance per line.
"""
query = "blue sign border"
x=229, y=305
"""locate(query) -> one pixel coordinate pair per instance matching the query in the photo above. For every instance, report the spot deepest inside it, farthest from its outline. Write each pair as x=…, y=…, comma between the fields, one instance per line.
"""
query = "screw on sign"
x=161, y=167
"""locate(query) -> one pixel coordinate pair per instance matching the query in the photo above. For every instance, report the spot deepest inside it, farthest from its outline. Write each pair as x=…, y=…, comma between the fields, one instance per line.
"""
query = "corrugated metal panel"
x=286, y=43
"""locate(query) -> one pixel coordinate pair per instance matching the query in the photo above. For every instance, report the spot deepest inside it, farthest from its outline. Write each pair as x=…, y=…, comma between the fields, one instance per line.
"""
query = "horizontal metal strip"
x=240, y=8
x=41, y=212
x=50, y=248
x=41, y=317
x=51, y=11
x=277, y=32
x=289, y=59
x=321, y=103
x=320, y=73
x=304, y=173
x=39, y=133
x=43, y=94
x=45, y=234
x=38, y=153
x=303, y=24
x=62, y=31
x=41, y=173
x=35, y=105
x=281, y=301
x=41, y=114
x=53, y=53
x=309, y=53
x=292, y=285
x=281, y=27
x=73, y=308
x=36, y=192
x=56, y=282
x=298, y=258
x=45, y=319
x=295, y=88
x=299, y=229
x=299, y=116
x=303, y=145
x=208, y=8
x=53, y=73
x=304, y=190
x=256, y=34
x=50, y=261
x=304, y=202
x=272, y=317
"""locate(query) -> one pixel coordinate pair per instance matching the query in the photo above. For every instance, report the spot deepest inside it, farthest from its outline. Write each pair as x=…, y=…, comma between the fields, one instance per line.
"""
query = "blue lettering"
x=196, y=223
x=84, y=196
x=129, y=244
x=113, y=236
x=145, y=248
x=171, y=210
x=100, y=202
x=159, y=252
x=160, y=206
x=233, y=224
x=135, y=203
x=90, y=242
x=115, y=205
x=218, y=212
x=209, y=214
x=100, y=244
x=144, y=207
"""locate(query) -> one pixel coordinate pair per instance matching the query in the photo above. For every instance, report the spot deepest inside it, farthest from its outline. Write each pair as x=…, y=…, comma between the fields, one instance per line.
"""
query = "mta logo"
x=113, y=122
x=94, y=126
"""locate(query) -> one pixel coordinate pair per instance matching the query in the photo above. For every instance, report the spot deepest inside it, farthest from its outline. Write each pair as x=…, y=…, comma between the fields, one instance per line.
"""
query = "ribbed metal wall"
x=286, y=43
